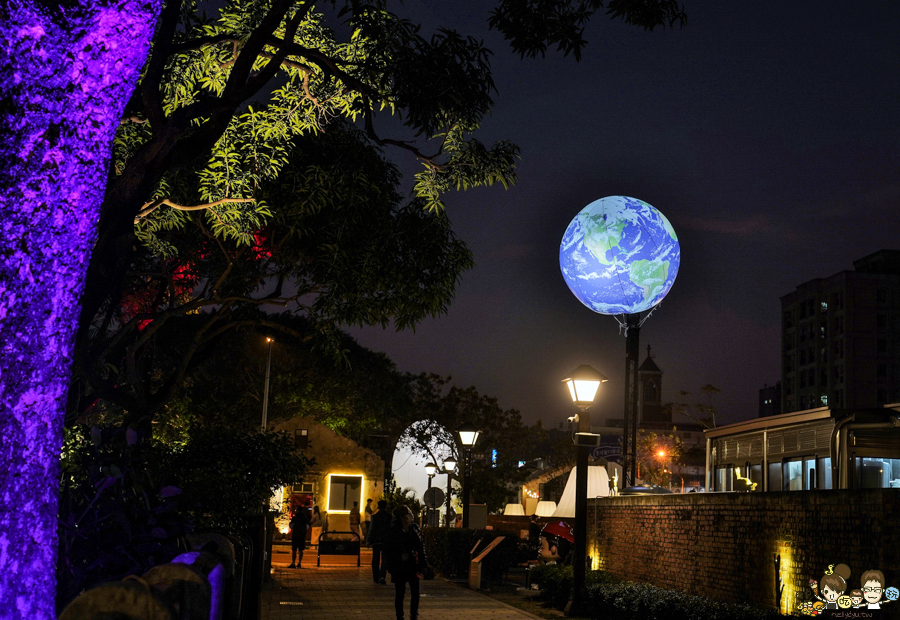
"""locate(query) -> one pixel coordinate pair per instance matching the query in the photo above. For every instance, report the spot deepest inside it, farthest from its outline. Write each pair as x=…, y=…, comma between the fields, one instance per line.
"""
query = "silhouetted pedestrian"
x=406, y=560
x=377, y=536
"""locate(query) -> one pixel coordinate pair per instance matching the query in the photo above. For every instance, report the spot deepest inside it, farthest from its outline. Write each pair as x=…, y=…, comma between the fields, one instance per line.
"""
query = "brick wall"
x=722, y=545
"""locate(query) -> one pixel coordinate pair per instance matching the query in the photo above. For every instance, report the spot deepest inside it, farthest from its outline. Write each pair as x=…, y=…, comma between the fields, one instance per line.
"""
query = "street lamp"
x=449, y=468
x=431, y=470
x=265, y=413
x=468, y=435
x=583, y=383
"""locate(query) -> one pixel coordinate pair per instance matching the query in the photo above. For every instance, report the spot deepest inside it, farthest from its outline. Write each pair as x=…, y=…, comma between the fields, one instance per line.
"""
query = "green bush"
x=448, y=551
x=610, y=598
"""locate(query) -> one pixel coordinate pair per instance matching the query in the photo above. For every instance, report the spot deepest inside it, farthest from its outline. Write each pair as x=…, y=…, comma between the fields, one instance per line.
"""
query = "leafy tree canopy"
x=441, y=408
x=230, y=86
x=656, y=454
x=339, y=248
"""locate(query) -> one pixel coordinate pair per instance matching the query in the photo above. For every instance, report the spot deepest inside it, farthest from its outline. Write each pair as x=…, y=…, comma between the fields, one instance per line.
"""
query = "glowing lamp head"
x=661, y=454
x=583, y=384
x=514, y=510
x=545, y=508
x=450, y=464
x=468, y=434
x=431, y=469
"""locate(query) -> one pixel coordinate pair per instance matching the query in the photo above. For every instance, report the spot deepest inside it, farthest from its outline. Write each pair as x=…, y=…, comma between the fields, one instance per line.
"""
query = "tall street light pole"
x=583, y=383
x=265, y=413
x=468, y=435
x=431, y=470
x=449, y=468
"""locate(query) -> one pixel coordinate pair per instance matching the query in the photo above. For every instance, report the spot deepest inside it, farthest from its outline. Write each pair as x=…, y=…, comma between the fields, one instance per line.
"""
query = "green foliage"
x=656, y=454
x=338, y=249
x=226, y=474
x=397, y=496
x=126, y=504
x=609, y=597
x=439, y=410
x=448, y=551
x=118, y=511
x=533, y=25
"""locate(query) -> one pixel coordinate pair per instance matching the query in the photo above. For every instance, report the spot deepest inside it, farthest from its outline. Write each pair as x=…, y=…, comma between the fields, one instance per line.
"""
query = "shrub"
x=610, y=598
x=448, y=551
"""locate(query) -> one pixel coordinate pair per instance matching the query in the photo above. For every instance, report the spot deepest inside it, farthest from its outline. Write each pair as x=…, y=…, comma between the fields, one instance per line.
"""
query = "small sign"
x=606, y=451
x=434, y=497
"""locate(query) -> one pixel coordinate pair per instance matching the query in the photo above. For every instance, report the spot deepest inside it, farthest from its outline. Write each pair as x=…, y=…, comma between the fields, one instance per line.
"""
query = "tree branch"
x=150, y=207
x=150, y=85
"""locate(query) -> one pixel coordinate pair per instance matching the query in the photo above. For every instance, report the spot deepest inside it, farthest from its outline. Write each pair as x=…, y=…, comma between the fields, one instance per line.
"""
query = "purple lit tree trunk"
x=66, y=73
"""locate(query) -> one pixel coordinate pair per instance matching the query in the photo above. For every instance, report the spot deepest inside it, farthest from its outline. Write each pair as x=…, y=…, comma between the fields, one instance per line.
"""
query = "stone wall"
x=722, y=545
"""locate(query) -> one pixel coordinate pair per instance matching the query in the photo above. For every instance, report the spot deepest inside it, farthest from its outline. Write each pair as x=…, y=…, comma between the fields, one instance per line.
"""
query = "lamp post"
x=468, y=435
x=431, y=470
x=449, y=468
x=265, y=412
x=583, y=383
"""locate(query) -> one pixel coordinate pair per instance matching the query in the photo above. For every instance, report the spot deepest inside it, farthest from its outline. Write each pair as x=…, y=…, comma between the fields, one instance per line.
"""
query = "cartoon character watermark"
x=831, y=588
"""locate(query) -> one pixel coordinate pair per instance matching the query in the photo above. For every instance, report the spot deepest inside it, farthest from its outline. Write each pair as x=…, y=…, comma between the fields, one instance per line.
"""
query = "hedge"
x=448, y=551
x=611, y=598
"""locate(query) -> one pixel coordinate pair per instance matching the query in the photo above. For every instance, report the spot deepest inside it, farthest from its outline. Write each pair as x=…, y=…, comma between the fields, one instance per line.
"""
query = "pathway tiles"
x=339, y=590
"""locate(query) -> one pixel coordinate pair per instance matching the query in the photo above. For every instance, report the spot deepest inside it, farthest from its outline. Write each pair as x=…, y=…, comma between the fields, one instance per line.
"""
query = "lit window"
x=343, y=491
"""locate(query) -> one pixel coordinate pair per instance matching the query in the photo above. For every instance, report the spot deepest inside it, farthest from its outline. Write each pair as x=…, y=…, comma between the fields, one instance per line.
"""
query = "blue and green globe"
x=619, y=255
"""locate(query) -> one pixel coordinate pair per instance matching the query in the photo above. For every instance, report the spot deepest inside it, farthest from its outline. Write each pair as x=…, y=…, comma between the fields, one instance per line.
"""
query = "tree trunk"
x=65, y=77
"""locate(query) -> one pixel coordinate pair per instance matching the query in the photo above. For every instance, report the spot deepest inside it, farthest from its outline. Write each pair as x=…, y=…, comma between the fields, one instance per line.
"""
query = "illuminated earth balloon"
x=619, y=256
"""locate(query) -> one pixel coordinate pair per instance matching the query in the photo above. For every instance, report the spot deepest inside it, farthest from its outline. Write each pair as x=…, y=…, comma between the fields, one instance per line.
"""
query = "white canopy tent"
x=598, y=486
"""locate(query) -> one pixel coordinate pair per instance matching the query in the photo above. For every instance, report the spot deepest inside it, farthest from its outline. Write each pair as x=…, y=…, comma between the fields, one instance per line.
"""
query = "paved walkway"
x=340, y=590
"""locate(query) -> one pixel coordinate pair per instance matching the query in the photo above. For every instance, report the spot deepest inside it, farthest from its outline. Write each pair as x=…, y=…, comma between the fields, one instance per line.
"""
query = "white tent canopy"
x=598, y=486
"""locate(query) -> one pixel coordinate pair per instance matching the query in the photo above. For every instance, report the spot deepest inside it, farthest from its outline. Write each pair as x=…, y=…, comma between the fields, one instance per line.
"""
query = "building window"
x=301, y=438
x=824, y=400
x=822, y=332
x=792, y=476
x=774, y=476
x=724, y=478
x=343, y=491
x=882, y=371
x=882, y=345
x=823, y=470
x=877, y=473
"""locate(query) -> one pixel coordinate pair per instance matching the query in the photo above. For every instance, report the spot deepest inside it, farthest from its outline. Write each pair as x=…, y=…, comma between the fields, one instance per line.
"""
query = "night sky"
x=767, y=133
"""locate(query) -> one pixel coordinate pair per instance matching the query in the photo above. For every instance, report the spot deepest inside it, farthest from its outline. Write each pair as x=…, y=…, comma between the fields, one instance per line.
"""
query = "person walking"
x=406, y=560
x=376, y=537
x=315, y=526
x=367, y=518
x=299, y=522
x=354, y=520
